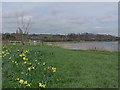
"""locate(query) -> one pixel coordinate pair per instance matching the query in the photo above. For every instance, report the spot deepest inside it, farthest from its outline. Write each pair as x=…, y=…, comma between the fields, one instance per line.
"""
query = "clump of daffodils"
x=53, y=69
x=26, y=51
x=15, y=62
x=30, y=68
x=24, y=58
x=27, y=63
x=21, y=81
x=22, y=55
x=4, y=53
x=42, y=85
x=28, y=85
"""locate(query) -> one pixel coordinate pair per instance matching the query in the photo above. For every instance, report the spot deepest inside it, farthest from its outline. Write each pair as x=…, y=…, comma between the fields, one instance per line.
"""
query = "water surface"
x=102, y=46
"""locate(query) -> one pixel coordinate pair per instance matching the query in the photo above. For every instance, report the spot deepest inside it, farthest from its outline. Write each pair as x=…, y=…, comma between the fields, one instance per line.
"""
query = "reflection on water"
x=107, y=46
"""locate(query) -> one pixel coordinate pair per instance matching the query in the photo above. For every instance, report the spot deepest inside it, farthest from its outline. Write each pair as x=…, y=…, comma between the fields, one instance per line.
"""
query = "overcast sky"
x=63, y=17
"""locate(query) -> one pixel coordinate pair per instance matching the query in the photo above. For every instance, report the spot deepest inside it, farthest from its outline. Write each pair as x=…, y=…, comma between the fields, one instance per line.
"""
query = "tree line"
x=58, y=38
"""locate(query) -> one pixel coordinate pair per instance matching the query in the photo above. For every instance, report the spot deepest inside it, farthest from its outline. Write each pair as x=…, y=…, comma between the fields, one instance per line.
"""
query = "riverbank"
x=80, y=68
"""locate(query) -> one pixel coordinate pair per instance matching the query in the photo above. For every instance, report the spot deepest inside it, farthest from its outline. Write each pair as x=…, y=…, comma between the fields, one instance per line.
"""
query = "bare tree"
x=24, y=25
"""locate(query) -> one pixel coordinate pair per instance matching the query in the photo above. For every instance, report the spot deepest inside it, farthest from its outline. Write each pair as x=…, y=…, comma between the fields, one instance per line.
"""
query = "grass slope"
x=82, y=69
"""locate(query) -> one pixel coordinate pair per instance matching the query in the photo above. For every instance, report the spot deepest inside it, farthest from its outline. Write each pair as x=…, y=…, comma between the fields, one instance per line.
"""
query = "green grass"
x=81, y=69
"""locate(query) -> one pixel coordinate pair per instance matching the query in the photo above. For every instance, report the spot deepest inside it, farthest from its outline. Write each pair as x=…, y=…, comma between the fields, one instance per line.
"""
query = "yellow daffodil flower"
x=16, y=64
x=42, y=85
x=21, y=81
x=53, y=69
x=24, y=58
x=30, y=63
x=28, y=85
x=12, y=61
x=17, y=79
x=26, y=51
x=29, y=69
x=20, y=55
x=33, y=68
x=25, y=82
x=25, y=62
x=3, y=52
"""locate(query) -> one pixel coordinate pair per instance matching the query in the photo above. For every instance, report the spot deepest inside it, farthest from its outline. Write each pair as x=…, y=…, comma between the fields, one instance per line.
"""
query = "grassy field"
x=79, y=68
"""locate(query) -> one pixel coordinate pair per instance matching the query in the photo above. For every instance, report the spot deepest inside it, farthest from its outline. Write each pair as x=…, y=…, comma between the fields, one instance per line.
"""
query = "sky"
x=62, y=17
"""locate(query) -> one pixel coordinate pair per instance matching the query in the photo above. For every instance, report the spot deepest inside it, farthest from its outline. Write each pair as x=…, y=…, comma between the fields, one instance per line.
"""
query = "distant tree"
x=24, y=25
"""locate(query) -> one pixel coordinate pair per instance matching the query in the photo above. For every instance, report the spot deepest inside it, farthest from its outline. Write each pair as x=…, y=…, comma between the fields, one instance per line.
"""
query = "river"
x=101, y=46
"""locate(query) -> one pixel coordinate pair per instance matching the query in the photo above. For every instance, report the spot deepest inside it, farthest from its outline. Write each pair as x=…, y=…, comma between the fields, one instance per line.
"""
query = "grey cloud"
x=55, y=11
x=107, y=19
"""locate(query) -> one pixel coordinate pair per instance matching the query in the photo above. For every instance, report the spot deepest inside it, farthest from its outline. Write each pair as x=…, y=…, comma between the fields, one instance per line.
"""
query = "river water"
x=101, y=46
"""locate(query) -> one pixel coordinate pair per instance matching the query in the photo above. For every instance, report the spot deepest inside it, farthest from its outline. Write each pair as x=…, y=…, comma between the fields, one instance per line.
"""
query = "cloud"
x=12, y=19
x=55, y=11
x=107, y=19
x=61, y=17
x=78, y=20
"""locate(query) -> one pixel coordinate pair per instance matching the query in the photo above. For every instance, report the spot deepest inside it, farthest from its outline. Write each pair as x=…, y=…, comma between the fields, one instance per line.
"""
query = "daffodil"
x=25, y=62
x=20, y=55
x=17, y=79
x=29, y=69
x=16, y=64
x=26, y=51
x=13, y=61
x=25, y=82
x=24, y=58
x=21, y=81
x=42, y=85
x=3, y=52
x=28, y=85
x=30, y=63
x=53, y=69
x=33, y=68
x=4, y=55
